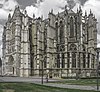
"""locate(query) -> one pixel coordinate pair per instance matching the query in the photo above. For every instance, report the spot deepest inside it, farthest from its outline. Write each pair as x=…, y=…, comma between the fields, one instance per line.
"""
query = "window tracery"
x=71, y=27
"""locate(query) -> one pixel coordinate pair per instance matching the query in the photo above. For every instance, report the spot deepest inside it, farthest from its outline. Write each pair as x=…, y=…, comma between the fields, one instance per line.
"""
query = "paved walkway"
x=38, y=81
x=81, y=87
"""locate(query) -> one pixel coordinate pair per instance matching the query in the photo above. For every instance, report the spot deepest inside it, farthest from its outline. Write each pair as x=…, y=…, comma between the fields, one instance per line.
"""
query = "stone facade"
x=63, y=44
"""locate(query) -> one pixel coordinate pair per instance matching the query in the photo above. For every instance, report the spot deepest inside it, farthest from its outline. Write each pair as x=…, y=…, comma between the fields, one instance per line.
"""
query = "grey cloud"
x=83, y=1
x=24, y=3
x=72, y=3
x=2, y=21
x=1, y=5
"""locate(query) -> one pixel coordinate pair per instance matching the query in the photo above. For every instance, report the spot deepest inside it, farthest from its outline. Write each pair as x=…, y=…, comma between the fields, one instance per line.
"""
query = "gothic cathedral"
x=62, y=45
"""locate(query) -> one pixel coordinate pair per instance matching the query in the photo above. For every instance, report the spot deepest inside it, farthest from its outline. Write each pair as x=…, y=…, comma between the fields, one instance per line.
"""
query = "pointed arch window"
x=58, y=61
x=73, y=48
x=68, y=60
x=84, y=57
x=45, y=63
x=84, y=61
x=63, y=60
x=93, y=61
x=56, y=26
x=61, y=32
x=88, y=63
x=73, y=60
x=76, y=27
x=79, y=60
x=71, y=27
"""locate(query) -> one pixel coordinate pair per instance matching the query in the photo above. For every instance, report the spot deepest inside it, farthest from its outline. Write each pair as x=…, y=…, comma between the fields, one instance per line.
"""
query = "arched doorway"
x=11, y=64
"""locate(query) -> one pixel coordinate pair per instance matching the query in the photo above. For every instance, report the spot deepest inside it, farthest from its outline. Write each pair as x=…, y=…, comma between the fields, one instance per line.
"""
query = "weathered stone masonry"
x=64, y=42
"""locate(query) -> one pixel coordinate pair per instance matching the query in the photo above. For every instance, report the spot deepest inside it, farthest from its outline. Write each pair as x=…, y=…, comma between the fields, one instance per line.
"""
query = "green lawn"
x=29, y=87
x=80, y=82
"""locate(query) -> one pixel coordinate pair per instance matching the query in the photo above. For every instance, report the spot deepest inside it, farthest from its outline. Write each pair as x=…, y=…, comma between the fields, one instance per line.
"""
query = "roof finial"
x=94, y=16
x=33, y=15
x=58, y=14
x=90, y=11
x=17, y=6
x=42, y=17
x=80, y=8
x=25, y=12
x=65, y=7
x=17, y=10
x=77, y=10
x=85, y=13
x=9, y=17
x=51, y=10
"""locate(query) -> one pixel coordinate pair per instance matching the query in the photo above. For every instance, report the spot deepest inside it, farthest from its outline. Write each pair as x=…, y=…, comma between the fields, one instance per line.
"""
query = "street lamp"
x=98, y=50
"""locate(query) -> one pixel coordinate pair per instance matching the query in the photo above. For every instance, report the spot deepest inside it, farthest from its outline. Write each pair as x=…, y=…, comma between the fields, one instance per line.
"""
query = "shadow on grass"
x=91, y=82
x=29, y=87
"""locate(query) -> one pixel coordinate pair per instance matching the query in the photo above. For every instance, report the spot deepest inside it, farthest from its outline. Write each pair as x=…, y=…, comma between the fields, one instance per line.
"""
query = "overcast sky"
x=42, y=7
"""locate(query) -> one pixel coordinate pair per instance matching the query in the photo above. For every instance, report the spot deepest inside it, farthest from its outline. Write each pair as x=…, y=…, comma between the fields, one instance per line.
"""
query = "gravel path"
x=37, y=80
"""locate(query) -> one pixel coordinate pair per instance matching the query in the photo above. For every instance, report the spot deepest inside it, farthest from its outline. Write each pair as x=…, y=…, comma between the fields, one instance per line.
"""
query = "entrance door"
x=10, y=65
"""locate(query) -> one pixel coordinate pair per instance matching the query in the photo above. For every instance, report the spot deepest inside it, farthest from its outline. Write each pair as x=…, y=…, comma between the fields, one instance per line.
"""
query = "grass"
x=80, y=82
x=29, y=87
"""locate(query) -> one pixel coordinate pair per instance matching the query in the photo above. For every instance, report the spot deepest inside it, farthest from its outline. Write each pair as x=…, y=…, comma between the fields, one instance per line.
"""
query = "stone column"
x=70, y=63
x=90, y=61
x=86, y=60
